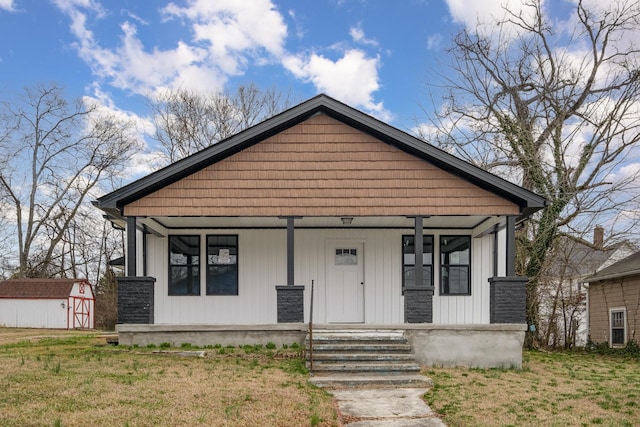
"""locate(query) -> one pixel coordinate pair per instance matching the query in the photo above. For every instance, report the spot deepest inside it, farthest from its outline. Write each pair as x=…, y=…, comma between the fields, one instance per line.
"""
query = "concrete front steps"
x=359, y=358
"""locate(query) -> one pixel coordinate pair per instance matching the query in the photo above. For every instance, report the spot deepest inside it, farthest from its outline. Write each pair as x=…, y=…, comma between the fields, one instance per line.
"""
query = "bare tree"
x=55, y=154
x=187, y=121
x=555, y=110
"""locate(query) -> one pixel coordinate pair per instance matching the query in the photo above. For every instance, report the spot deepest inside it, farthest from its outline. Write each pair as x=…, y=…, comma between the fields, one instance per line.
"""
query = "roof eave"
x=621, y=275
x=114, y=202
x=528, y=201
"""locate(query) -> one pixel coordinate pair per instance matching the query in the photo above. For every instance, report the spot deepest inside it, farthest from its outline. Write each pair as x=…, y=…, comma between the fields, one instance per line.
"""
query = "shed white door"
x=345, y=282
x=81, y=313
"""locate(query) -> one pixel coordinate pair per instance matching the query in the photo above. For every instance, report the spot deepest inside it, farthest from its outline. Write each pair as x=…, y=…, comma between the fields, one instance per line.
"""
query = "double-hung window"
x=409, y=261
x=184, y=265
x=455, y=265
x=222, y=265
x=618, y=326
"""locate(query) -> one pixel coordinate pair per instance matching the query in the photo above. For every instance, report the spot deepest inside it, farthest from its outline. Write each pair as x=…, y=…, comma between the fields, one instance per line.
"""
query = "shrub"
x=631, y=349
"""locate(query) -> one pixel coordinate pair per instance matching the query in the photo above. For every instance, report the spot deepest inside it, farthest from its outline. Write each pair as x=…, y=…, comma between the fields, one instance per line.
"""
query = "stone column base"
x=290, y=300
x=135, y=299
x=418, y=304
x=508, y=299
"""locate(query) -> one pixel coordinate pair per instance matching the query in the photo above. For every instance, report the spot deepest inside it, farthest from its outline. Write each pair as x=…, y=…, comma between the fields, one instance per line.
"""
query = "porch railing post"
x=290, y=251
x=131, y=246
x=290, y=297
x=418, y=299
x=511, y=246
x=418, y=248
x=311, y=331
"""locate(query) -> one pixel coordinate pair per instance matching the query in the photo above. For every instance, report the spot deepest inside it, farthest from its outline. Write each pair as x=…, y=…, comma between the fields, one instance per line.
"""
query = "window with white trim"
x=618, y=326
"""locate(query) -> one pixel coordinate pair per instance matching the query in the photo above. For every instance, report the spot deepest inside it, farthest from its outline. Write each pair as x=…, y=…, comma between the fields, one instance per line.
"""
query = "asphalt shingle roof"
x=625, y=267
x=37, y=288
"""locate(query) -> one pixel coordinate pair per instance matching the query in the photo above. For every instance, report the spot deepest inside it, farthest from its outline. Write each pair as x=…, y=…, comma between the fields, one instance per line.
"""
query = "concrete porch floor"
x=472, y=345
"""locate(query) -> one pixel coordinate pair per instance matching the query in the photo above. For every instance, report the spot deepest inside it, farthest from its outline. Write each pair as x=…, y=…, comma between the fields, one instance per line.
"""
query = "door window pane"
x=346, y=257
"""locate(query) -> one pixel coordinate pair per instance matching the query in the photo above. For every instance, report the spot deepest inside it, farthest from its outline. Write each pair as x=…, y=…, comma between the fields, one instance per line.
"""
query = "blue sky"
x=374, y=55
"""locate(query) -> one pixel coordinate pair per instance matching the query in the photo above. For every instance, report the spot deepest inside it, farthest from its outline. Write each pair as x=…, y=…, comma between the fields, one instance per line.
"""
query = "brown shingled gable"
x=37, y=288
x=321, y=167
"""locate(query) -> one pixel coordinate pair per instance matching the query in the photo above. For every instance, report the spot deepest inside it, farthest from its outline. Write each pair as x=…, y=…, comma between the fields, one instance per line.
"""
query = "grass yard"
x=552, y=389
x=75, y=379
x=71, y=378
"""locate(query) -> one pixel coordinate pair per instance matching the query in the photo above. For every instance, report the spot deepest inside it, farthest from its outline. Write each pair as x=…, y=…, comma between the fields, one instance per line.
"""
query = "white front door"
x=345, y=282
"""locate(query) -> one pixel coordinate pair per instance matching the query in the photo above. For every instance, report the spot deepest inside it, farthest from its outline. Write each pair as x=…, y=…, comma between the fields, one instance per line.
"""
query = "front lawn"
x=78, y=380
x=75, y=379
x=552, y=389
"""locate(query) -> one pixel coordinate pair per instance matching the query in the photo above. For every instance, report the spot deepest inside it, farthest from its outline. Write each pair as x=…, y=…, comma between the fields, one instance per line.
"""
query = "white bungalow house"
x=391, y=231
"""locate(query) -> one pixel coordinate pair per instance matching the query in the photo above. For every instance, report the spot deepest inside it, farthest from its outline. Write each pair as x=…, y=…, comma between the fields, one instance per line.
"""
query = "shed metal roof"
x=37, y=288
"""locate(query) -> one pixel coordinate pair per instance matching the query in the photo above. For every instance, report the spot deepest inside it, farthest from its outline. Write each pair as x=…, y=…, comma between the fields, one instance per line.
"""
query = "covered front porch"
x=364, y=270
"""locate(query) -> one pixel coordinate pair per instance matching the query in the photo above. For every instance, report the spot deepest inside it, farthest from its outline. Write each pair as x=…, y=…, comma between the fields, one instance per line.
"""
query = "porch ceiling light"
x=346, y=220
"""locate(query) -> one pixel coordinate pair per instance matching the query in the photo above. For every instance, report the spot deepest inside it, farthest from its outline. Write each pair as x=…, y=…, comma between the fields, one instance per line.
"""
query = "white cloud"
x=105, y=106
x=233, y=31
x=143, y=161
x=483, y=15
x=352, y=79
x=627, y=35
x=134, y=17
x=300, y=32
x=434, y=41
x=7, y=5
x=227, y=35
x=358, y=36
x=630, y=171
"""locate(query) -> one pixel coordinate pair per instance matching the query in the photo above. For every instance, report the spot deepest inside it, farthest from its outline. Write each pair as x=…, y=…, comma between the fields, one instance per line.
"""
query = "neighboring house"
x=563, y=298
x=47, y=303
x=117, y=265
x=392, y=232
x=614, y=302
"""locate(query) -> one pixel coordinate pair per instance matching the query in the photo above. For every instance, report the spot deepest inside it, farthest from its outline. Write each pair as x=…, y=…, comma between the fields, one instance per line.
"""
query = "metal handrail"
x=311, y=331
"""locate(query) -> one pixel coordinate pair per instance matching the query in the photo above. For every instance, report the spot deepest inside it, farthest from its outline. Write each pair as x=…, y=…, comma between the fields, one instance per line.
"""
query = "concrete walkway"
x=389, y=407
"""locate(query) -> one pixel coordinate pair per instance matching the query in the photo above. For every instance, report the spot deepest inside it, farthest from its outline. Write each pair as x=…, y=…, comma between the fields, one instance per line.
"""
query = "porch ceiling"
x=467, y=222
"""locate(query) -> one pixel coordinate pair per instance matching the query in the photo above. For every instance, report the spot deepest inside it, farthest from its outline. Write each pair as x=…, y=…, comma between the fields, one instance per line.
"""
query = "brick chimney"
x=598, y=237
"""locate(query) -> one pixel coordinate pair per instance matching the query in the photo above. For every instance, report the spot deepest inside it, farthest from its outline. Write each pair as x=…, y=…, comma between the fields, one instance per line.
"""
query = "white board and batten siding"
x=262, y=266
